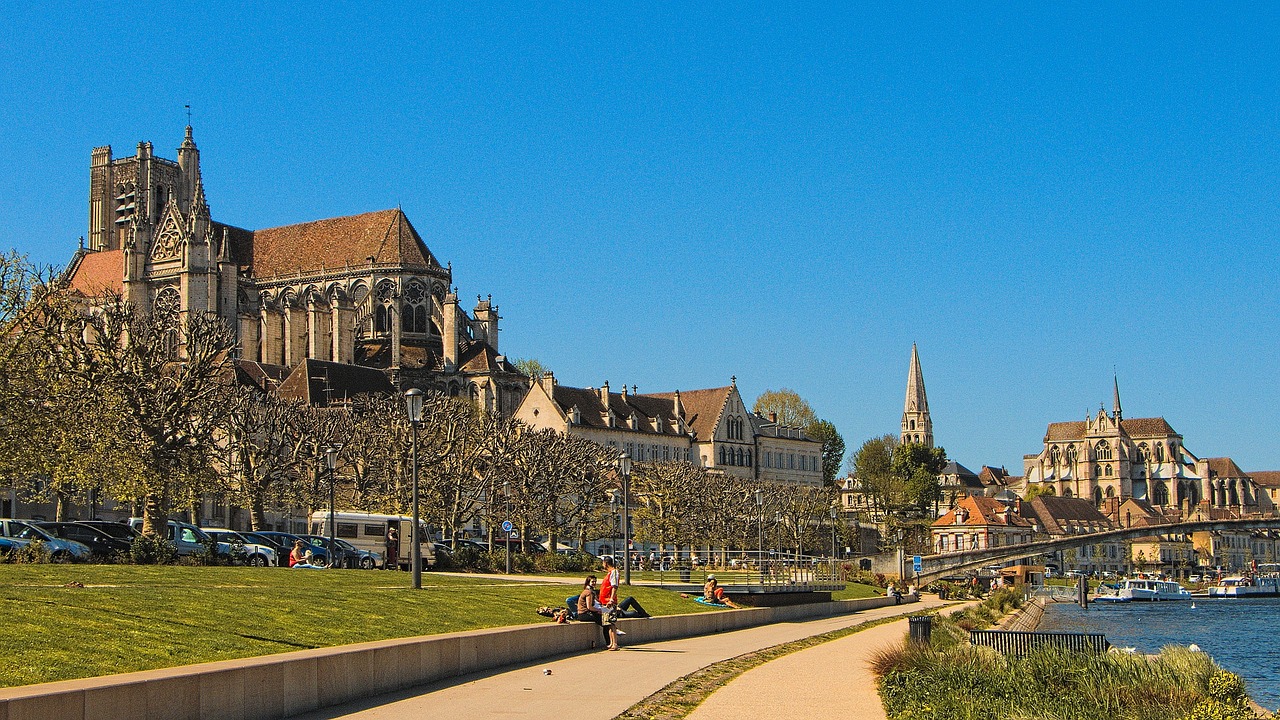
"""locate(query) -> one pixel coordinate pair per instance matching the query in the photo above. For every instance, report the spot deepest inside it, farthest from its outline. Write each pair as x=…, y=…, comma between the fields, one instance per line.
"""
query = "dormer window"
x=576, y=414
x=634, y=422
x=613, y=420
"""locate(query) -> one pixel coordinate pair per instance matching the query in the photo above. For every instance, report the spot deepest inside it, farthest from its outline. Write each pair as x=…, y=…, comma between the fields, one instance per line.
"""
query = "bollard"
x=921, y=629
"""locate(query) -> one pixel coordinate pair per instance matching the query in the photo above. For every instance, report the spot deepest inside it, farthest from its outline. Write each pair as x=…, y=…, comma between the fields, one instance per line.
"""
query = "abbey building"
x=362, y=290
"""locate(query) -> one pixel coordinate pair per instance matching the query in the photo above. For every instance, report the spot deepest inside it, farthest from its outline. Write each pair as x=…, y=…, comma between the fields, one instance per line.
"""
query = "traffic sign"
x=917, y=564
x=506, y=526
x=514, y=534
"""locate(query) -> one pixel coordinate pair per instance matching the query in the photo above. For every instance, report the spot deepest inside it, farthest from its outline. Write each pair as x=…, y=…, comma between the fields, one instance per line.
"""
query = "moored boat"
x=1149, y=589
x=1239, y=586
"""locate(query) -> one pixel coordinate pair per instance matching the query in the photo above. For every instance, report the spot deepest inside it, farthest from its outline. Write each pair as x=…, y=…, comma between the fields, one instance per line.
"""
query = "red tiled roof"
x=386, y=235
x=99, y=273
x=982, y=511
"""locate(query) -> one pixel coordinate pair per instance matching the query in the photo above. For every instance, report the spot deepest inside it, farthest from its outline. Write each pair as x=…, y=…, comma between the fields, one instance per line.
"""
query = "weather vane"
x=188, y=107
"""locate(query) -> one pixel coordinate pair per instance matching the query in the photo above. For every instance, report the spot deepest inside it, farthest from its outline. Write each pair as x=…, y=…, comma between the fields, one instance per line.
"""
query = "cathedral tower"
x=916, y=425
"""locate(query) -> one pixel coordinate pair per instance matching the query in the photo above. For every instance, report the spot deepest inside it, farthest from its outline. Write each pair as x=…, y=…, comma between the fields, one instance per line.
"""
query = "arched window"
x=415, y=307
x=1055, y=456
x=911, y=425
x=1111, y=492
x=381, y=323
x=1160, y=495
x=168, y=311
x=1071, y=454
x=1106, y=471
x=1103, y=450
x=1159, y=452
x=722, y=461
x=1097, y=496
x=748, y=458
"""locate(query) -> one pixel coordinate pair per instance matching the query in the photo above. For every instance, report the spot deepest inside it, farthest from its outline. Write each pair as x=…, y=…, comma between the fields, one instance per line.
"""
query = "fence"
x=767, y=572
x=1020, y=643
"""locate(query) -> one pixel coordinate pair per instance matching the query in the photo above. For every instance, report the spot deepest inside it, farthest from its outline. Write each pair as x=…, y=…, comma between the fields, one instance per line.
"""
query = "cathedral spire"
x=917, y=427
x=188, y=172
x=1115, y=397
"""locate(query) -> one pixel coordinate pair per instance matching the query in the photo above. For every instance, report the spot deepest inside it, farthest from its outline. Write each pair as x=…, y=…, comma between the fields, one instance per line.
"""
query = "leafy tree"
x=792, y=410
x=873, y=467
x=531, y=367
x=1036, y=490
x=917, y=467
x=164, y=378
x=832, y=448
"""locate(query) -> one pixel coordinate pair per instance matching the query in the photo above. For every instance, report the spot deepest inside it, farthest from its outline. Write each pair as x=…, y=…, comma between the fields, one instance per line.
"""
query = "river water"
x=1241, y=635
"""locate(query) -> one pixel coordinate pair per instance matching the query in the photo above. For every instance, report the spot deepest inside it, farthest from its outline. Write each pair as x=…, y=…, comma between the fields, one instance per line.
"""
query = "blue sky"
x=667, y=198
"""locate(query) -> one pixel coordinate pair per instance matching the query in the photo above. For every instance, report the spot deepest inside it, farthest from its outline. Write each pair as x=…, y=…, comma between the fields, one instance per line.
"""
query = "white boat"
x=1148, y=589
x=1243, y=586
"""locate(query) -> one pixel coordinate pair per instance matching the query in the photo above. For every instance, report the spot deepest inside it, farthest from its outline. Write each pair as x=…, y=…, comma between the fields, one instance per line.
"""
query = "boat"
x=1147, y=589
x=1239, y=586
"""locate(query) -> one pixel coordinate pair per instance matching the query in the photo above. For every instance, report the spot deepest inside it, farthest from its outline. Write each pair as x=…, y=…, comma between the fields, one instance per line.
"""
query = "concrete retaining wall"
x=278, y=686
x=1025, y=619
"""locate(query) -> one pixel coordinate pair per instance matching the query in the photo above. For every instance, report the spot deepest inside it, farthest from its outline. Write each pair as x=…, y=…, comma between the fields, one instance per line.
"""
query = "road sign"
x=917, y=564
x=506, y=526
x=514, y=534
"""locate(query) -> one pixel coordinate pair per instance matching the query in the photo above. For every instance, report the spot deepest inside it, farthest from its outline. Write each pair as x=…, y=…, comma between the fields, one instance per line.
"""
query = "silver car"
x=255, y=554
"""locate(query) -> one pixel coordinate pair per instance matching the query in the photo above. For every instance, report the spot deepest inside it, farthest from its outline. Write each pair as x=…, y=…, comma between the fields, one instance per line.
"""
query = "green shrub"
x=152, y=550
x=555, y=562
x=34, y=552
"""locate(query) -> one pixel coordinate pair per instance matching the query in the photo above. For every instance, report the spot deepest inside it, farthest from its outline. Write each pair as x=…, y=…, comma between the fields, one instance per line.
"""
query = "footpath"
x=600, y=685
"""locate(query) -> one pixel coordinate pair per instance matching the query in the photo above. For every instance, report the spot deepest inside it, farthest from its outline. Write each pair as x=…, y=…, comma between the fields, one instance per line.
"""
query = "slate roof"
x=264, y=376
x=653, y=414
x=318, y=382
x=386, y=235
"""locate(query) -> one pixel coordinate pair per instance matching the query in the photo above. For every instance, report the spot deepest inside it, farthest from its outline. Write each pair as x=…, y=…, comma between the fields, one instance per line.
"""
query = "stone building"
x=1107, y=456
x=1060, y=517
x=711, y=428
x=363, y=289
x=978, y=523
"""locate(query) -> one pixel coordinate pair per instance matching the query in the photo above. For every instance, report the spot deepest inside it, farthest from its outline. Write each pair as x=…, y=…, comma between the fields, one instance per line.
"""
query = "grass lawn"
x=129, y=617
x=854, y=591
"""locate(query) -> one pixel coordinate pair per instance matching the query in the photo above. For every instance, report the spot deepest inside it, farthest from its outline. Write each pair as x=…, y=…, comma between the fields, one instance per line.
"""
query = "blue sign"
x=506, y=526
x=917, y=564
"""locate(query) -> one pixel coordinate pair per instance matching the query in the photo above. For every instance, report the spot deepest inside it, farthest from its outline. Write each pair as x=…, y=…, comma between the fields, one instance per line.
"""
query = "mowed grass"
x=129, y=618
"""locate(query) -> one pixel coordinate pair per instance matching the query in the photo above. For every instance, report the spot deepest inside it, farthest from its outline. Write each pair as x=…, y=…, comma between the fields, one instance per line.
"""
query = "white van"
x=368, y=531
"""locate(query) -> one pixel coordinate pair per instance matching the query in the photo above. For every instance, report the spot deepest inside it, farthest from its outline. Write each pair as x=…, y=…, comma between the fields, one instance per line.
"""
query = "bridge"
x=943, y=564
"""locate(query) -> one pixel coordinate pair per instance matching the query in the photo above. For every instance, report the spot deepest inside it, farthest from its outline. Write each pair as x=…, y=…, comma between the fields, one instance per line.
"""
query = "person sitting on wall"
x=301, y=558
x=713, y=593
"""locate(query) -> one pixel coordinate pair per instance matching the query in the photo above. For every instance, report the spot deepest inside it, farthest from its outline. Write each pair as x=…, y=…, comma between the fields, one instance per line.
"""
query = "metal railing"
x=1010, y=642
x=752, y=573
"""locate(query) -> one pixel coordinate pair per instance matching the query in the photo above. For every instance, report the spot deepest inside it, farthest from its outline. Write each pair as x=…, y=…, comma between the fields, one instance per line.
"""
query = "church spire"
x=1115, y=397
x=188, y=173
x=917, y=427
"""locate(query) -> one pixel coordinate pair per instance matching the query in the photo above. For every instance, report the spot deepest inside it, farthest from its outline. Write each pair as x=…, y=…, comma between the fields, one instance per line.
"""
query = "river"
x=1239, y=634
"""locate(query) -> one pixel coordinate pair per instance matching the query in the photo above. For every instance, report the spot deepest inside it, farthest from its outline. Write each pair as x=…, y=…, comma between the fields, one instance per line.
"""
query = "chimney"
x=773, y=417
x=548, y=382
x=676, y=410
x=604, y=394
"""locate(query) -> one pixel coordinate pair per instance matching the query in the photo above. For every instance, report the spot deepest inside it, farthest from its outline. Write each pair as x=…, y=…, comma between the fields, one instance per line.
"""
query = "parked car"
x=102, y=545
x=118, y=530
x=59, y=550
x=463, y=543
x=274, y=542
x=255, y=554
x=188, y=539
x=527, y=546
x=319, y=555
x=345, y=555
x=355, y=557
x=9, y=545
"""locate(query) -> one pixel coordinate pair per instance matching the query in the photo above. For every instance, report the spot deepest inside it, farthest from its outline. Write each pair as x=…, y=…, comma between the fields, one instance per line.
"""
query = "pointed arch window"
x=1055, y=455
x=415, y=308
x=1103, y=450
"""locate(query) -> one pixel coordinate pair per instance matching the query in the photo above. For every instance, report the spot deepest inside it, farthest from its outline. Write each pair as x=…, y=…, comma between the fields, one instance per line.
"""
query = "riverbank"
x=948, y=678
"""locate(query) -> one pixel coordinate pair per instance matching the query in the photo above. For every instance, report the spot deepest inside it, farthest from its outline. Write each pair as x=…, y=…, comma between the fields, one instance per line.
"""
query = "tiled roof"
x=317, y=382
x=387, y=236
x=1266, y=478
x=98, y=273
x=983, y=511
x=955, y=468
x=701, y=408
x=653, y=414
x=1062, y=516
x=1225, y=468
x=264, y=376
x=480, y=357
x=1134, y=427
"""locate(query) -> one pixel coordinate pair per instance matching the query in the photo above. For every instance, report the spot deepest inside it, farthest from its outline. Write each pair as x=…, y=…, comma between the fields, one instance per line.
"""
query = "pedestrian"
x=590, y=610
x=393, y=549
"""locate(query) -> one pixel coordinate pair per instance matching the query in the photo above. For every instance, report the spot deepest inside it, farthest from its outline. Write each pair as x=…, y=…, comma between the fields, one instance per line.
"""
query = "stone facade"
x=1106, y=457
x=711, y=428
x=363, y=289
x=917, y=426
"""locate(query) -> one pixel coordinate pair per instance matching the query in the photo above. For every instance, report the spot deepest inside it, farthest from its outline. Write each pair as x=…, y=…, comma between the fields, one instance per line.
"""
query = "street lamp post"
x=413, y=398
x=506, y=493
x=331, y=459
x=834, y=512
x=624, y=469
x=760, y=547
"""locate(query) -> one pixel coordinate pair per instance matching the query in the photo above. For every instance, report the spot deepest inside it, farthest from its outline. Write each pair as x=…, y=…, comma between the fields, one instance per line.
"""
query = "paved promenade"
x=602, y=684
